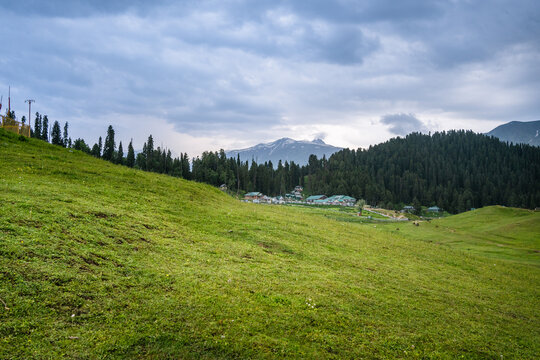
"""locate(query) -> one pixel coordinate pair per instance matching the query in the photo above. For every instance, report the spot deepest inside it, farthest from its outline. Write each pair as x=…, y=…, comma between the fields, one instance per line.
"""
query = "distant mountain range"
x=285, y=149
x=518, y=132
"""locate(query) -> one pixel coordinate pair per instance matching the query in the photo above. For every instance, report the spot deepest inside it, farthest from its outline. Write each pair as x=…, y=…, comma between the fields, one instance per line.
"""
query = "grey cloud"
x=216, y=67
x=77, y=8
x=403, y=124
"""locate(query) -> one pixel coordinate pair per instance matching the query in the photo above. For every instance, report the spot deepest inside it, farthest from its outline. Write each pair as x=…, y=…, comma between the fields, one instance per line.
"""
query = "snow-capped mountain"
x=285, y=149
x=518, y=132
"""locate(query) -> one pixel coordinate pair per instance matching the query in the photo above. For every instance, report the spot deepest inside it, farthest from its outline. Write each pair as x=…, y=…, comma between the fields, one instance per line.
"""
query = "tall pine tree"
x=108, y=148
x=37, y=126
x=56, y=137
x=150, y=154
x=120, y=155
x=130, y=160
x=45, y=128
x=100, y=147
x=65, y=136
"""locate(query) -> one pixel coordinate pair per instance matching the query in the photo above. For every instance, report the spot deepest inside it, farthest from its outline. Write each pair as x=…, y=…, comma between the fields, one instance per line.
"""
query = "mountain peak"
x=525, y=132
x=285, y=149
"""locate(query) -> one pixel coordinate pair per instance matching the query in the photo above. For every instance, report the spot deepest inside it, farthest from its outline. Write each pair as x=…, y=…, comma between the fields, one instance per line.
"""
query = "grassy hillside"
x=495, y=231
x=102, y=261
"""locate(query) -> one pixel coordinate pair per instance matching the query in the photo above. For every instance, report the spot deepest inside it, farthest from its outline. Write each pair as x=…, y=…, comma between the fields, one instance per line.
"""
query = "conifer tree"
x=45, y=128
x=37, y=126
x=56, y=138
x=149, y=154
x=95, y=150
x=100, y=146
x=65, y=136
x=120, y=154
x=79, y=144
x=108, y=148
x=130, y=160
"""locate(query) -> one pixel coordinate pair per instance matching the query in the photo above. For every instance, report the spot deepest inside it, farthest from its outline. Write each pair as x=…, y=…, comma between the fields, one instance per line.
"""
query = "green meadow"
x=99, y=261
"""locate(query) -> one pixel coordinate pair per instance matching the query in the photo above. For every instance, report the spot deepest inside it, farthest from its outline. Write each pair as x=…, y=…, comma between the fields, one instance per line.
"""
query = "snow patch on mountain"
x=285, y=149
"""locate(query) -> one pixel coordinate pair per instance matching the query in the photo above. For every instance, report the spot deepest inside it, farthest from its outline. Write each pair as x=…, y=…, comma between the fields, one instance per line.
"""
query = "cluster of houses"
x=332, y=200
x=296, y=196
x=410, y=209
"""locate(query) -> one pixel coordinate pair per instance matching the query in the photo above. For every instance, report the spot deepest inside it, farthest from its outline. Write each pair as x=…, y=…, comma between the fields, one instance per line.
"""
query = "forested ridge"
x=455, y=170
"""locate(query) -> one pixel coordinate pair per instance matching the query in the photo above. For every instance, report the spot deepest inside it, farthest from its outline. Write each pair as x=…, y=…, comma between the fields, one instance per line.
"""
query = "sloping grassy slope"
x=494, y=231
x=101, y=261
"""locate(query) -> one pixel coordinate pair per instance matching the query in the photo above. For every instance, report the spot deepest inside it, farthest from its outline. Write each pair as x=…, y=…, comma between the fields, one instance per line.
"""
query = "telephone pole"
x=29, y=101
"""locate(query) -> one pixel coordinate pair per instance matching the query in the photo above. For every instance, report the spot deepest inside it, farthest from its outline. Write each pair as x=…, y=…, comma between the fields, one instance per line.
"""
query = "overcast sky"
x=203, y=75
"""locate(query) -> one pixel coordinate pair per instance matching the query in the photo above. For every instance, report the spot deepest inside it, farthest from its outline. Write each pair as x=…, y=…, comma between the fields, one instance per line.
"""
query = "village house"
x=343, y=200
x=313, y=198
x=253, y=195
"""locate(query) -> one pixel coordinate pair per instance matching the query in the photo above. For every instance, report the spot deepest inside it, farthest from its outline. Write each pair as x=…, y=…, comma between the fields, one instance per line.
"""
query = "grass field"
x=102, y=261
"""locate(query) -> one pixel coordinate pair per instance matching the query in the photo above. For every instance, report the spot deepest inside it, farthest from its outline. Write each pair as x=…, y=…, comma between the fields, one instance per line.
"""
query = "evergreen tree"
x=65, y=136
x=108, y=148
x=37, y=126
x=56, y=138
x=95, y=151
x=45, y=128
x=100, y=147
x=130, y=160
x=23, y=120
x=149, y=154
x=120, y=154
x=79, y=144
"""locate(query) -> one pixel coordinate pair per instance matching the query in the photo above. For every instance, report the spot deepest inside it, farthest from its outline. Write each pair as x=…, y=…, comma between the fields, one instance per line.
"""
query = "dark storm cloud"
x=403, y=124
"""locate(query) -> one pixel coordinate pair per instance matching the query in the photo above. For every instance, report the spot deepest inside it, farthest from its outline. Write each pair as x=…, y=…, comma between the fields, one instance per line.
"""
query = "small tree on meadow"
x=45, y=128
x=56, y=137
x=130, y=160
x=37, y=126
x=66, y=137
x=100, y=146
x=108, y=148
x=120, y=154
x=360, y=204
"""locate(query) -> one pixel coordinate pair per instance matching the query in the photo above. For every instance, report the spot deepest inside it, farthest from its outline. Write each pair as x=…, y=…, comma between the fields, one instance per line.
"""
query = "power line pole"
x=29, y=101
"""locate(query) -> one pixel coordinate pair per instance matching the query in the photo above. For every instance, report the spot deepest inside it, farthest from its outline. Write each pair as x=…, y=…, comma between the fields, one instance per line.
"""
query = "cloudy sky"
x=203, y=75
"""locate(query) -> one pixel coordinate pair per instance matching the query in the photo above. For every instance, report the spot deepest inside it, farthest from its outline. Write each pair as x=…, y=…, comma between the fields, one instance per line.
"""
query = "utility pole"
x=29, y=101
x=9, y=101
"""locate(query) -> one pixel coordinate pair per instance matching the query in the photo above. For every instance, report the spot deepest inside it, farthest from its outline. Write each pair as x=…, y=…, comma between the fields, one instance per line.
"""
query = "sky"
x=203, y=75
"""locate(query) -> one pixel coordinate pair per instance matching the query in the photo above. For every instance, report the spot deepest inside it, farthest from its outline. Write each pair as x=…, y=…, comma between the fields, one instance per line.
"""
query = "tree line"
x=455, y=170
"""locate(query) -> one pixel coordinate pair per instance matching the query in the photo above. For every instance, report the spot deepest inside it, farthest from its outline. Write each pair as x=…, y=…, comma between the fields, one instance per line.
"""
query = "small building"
x=293, y=197
x=266, y=199
x=407, y=209
x=434, y=209
x=313, y=198
x=340, y=200
x=253, y=195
